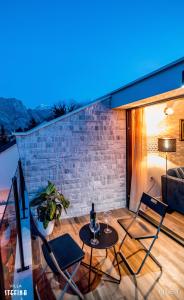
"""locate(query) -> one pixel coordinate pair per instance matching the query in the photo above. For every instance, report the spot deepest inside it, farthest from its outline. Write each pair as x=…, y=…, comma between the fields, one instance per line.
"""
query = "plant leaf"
x=51, y=209
x=51, y=188
x=45, y=223
x=50, y=203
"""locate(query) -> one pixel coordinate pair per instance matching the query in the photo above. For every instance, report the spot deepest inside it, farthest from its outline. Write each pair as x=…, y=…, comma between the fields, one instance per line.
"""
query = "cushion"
x=174, y=172
x=181, y=172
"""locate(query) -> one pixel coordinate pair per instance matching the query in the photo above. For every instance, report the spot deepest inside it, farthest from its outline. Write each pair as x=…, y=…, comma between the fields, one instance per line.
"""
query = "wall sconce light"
x=168, y=111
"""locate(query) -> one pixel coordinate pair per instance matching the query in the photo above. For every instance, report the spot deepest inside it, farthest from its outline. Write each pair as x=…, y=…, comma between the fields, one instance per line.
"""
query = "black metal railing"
x=11, y=232
x=21, y=196
x=8, y=241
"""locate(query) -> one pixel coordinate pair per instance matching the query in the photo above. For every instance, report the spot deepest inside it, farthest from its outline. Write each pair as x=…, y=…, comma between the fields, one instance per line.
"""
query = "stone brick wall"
x=83, y=153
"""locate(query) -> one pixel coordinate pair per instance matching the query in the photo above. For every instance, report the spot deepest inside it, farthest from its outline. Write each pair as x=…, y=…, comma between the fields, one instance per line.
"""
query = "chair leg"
x=69, y=278
x=37, y=293
x=144, y=249
x=116, y=257
x=120, y=248
x=73, y=274
x=76, y=290
x=36, y=285
x=148, y=253
x=123, y=241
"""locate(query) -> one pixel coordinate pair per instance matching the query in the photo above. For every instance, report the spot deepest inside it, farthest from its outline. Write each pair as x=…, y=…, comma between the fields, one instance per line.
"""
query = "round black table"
x=106, y=241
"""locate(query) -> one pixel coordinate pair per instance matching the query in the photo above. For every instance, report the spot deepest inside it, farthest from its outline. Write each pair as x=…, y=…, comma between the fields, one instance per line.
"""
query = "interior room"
x=154, y=169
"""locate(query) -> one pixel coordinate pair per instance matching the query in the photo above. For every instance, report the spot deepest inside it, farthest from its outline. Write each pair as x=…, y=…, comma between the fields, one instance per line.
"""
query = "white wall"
x=8, y=163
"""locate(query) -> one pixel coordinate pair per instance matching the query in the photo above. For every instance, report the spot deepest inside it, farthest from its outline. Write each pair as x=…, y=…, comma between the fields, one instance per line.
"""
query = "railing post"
x=19, y=229
x=22, y=189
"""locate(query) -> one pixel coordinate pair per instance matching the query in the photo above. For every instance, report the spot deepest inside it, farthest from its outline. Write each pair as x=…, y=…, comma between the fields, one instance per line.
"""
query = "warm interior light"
x=156, y=166
x=154, y=118
x=156, y=161
x=167, y=145
x=168, y=111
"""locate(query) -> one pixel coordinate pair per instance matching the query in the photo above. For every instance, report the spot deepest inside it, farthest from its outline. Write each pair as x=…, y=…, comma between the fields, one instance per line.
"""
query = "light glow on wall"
x=168, y=111
x=154, y=160
x=154, y=117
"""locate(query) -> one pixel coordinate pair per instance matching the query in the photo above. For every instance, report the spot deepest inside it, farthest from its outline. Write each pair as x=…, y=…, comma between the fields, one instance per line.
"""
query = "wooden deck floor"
x=149, y=284
x=173, y=221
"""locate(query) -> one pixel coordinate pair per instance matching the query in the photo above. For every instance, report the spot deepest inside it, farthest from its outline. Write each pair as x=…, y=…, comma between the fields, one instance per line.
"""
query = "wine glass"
x=95, y=228
x=107, y=215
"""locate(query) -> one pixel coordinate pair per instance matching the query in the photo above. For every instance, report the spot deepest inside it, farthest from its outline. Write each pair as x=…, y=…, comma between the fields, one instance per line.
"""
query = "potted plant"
x=49, y=205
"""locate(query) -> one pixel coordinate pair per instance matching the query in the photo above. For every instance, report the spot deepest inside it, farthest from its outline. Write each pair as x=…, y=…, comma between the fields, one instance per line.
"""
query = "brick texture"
x=170, y=127
x=84, y=154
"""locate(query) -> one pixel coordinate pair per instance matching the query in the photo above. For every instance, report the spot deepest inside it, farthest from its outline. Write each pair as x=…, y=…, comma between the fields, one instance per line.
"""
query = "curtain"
x=139, y=158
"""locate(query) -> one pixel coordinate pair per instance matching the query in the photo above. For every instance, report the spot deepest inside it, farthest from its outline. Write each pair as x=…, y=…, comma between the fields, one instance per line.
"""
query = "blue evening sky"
x=82, y=49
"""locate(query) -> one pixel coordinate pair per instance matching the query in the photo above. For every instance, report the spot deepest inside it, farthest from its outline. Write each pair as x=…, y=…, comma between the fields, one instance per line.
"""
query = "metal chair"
x=60, y=254
x=139, y=230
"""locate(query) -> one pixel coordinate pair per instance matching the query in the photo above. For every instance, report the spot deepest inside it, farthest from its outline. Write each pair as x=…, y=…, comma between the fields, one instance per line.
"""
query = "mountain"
x=41, y=113
x=14, y=114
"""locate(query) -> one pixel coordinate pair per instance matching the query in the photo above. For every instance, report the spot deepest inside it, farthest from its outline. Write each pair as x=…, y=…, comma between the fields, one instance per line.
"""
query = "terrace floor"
x=173, y=222
x=149, y=284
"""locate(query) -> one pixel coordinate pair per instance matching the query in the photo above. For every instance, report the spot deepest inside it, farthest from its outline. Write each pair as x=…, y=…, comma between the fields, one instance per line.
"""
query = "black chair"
x=137, y=229
x=60, y=254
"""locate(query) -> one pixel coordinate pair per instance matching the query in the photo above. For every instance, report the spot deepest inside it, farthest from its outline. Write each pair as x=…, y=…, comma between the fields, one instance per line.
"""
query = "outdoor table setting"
x=100, y=236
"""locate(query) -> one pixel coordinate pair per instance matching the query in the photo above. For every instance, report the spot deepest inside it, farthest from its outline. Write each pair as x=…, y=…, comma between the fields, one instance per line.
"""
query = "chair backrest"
x=38, y=233
x=156, y=205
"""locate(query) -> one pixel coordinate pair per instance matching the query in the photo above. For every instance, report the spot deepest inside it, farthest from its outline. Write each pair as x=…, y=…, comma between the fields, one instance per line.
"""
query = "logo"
x=165, y=292
x=16, y=290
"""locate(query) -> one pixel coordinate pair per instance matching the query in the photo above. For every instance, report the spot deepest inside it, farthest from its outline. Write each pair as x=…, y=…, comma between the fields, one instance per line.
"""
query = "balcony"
x=151, y=283
x=22, y=261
